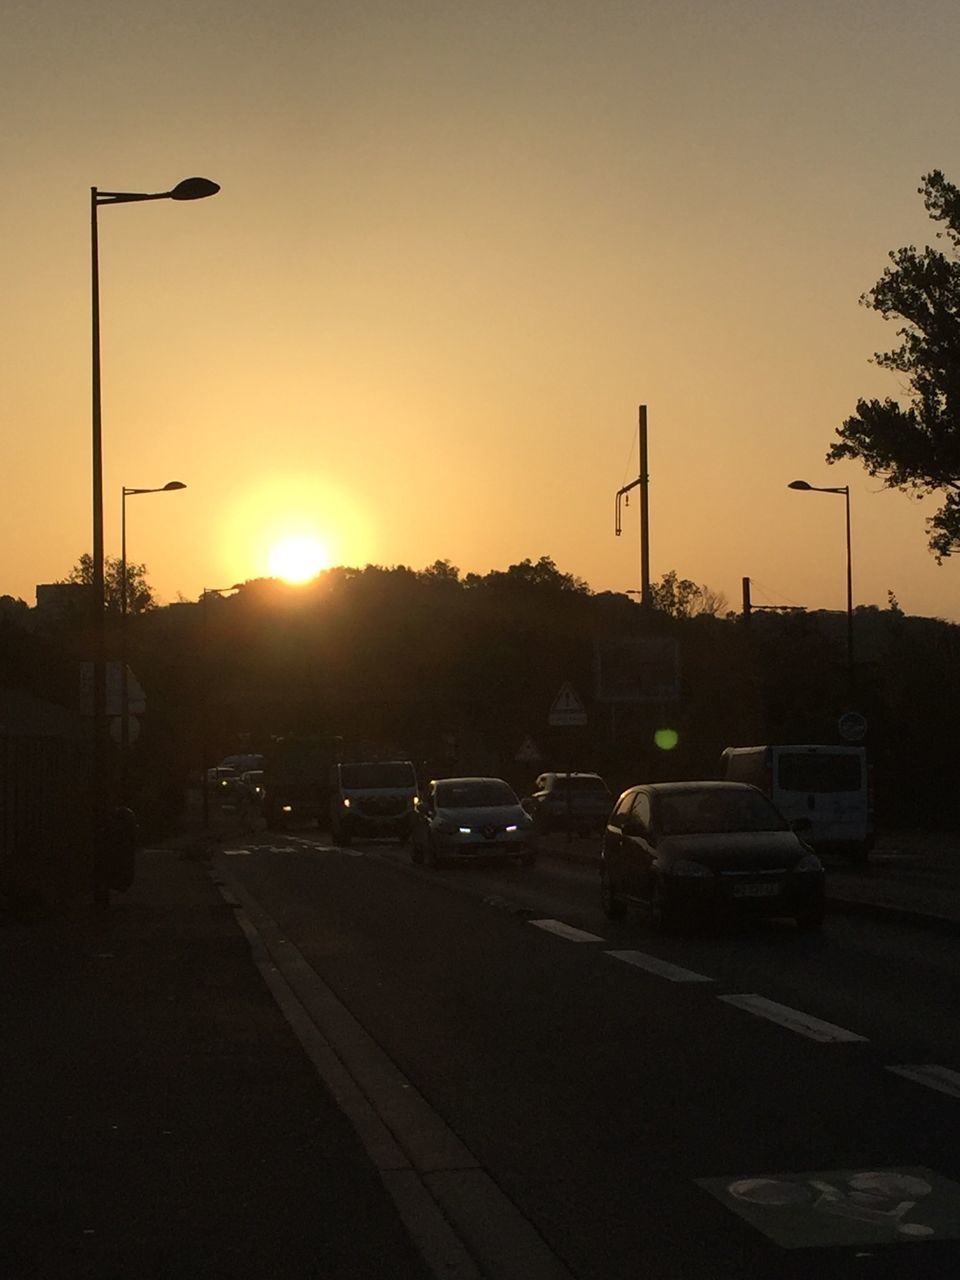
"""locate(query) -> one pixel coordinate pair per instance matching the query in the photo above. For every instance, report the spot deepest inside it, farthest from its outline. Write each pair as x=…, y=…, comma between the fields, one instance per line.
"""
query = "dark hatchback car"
x=688, y=850
x=577, y=802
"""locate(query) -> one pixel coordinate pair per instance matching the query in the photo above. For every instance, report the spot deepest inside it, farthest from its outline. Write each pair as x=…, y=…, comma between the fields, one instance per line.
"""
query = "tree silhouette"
x=917, y=449
x=139, y=592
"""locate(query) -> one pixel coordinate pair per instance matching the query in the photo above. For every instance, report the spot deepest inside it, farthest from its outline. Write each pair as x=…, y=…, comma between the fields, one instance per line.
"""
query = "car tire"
x=613, y=905
x=416, y=853
x=343, y=836
x=528, y=859
x=430, y=854
x=811, y=921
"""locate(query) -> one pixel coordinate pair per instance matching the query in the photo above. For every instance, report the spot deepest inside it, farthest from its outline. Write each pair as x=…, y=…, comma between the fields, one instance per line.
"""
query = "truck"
x=296, y=780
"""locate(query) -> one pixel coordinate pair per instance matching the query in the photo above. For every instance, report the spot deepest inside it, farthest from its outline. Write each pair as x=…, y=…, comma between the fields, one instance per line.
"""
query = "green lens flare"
x=666, y=739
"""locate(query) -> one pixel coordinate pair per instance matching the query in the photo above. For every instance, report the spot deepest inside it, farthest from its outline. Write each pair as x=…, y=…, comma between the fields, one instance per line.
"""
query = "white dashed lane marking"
x=940, y=1078
x=662, y=968
x=793, y=1019
x=566, y=931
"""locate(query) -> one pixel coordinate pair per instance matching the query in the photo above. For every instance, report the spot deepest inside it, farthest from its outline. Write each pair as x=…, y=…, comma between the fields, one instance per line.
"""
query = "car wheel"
x=810, y=921
x=344, y=836
x=416, y=853
x=528, y=859
x=613, y=905
x=663, y=916
x=430, y=854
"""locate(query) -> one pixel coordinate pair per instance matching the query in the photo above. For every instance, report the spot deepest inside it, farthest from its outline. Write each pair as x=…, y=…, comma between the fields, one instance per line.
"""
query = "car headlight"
x=513, y=827
x=684, y=867
x=465, y=831
x=809, y=862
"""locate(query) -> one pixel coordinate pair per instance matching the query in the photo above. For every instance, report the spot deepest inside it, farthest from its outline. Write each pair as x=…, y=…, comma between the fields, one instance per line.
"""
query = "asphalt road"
x=728, y=1103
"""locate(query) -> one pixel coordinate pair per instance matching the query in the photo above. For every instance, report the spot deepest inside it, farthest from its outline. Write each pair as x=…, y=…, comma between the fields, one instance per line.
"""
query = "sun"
x=298, y=559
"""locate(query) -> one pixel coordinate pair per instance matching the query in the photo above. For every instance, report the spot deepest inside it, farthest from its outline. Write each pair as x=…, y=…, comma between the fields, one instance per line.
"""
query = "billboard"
x=636, y=670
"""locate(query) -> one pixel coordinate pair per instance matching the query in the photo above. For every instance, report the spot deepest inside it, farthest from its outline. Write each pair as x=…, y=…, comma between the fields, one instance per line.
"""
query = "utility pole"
x=643, y=481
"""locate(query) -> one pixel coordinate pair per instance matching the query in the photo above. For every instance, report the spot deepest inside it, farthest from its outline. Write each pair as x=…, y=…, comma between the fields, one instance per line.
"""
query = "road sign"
x=567, y=709
x=116, y=729
x=136, y=699
x=852, y=726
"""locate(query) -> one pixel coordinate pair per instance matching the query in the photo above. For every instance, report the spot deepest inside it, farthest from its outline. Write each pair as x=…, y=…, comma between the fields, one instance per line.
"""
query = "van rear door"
x=828, y=786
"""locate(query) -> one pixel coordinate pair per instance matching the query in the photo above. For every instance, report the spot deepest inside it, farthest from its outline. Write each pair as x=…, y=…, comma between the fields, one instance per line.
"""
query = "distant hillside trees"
x=917, y=448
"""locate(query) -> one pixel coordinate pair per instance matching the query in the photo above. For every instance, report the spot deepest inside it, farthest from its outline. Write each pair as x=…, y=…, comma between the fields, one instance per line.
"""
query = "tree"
x=917, y=449
x=139, y=592
x=681, y=598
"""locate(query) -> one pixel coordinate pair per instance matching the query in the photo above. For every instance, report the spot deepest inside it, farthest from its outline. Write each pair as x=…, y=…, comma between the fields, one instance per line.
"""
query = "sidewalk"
x=159, y=1117
x=911, y=876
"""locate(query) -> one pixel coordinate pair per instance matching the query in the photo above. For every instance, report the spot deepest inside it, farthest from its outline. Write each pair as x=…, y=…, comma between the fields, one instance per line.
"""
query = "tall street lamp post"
x=124, y=608
x=845, y=491
x=188, y=189
x=205, y=700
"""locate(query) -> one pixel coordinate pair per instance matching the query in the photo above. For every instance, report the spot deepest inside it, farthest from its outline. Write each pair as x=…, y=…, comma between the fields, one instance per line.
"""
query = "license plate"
x=755, y=890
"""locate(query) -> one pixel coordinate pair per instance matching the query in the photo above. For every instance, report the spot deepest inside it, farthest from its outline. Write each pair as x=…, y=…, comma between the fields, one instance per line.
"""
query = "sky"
x=455, y=247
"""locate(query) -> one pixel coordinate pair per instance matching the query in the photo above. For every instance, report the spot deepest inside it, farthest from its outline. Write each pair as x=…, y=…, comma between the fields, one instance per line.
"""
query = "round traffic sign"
x=852, y=726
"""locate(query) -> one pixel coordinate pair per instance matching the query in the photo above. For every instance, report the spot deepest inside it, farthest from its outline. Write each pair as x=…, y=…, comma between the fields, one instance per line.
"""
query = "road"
x=689, y=1107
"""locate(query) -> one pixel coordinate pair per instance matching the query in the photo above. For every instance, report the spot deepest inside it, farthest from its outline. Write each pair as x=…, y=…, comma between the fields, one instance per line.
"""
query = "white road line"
x=940, y=1078
x=793, y=1019
x=566, y=931
x=662, y=968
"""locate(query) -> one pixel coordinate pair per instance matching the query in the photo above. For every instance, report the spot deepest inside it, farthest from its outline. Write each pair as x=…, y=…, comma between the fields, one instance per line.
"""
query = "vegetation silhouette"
x=917, y=449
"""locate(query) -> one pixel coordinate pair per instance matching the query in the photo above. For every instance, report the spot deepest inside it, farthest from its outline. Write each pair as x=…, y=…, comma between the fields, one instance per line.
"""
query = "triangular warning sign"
x=566, y=707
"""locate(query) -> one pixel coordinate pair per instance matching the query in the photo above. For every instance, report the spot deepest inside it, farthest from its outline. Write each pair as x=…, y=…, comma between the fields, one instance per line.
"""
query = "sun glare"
x=298, y=559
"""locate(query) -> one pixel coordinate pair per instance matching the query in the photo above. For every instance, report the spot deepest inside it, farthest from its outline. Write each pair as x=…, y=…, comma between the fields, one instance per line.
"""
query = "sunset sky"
x=455, y=247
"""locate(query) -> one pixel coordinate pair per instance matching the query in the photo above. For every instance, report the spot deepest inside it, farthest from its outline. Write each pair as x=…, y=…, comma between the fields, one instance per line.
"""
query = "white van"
x=826, y=786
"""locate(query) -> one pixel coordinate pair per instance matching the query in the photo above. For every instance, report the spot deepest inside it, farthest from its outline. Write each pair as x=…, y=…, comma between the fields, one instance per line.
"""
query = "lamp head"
x=799, y=484
x=173, y=484
x=194, y=189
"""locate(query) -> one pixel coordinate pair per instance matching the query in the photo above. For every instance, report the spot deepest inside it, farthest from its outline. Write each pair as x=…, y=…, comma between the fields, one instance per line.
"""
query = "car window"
x=479, y=794
x=582, y=784
x=715, y=811
x=819, y=771
x=377, y=775
x=640, y=811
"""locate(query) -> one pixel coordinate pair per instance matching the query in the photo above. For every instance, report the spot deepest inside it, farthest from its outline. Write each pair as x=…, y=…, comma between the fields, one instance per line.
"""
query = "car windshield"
x=582, y=784
x=479, y=794
x=687, y=813
x=389, y=773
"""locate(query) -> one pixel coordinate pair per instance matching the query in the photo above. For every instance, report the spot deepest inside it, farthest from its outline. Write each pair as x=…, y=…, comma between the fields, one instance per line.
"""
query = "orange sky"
x=455, y=247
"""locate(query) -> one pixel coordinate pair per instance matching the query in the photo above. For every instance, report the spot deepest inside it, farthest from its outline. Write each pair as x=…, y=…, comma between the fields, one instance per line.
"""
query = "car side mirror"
x=634, y=827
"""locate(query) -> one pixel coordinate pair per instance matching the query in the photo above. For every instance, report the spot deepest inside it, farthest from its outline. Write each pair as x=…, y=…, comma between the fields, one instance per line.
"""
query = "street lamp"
x=188, y=189
x=845, y=490
x=204, y=701
x=169, y=487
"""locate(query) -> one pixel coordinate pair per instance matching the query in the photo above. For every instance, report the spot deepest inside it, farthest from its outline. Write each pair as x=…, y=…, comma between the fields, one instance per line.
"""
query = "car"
x=687, y=850
x=576, y=802
x=372, y=798
x=459, y=819
x=252, y=782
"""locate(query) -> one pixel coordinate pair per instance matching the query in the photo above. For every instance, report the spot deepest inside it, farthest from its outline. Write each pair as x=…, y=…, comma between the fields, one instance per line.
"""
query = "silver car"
x=459, y=819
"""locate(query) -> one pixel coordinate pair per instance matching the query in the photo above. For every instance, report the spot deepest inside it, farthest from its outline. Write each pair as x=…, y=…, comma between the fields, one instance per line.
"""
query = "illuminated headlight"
x=689, y=869
x=465, y=831
x=513, y=828
x=346, y=802
x=286, y=808
x=809, y=862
